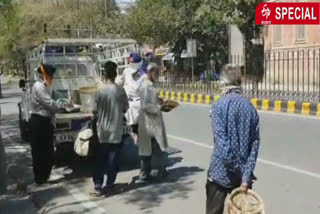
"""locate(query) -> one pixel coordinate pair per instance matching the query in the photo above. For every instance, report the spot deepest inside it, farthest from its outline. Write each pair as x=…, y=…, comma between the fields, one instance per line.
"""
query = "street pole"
x=192, y=64
x=91, y=28
x=105, y=9
x=78, y=4
x=0, y=87
x=192, y=69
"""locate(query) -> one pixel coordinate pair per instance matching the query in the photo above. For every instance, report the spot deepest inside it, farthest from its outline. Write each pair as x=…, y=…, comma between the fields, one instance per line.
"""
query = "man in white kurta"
x=131, y=80
x=152, y=133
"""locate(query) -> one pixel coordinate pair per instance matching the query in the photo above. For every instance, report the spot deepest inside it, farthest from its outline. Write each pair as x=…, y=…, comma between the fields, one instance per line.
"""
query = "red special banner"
x=304, y=13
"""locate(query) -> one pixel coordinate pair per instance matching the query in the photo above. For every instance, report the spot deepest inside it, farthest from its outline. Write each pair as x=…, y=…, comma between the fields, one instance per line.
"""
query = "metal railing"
x=291, y=74
x=201, y=87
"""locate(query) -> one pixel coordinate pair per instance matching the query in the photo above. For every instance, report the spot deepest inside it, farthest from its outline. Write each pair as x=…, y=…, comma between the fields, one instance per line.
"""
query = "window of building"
x=277, y=33
x=301, y=33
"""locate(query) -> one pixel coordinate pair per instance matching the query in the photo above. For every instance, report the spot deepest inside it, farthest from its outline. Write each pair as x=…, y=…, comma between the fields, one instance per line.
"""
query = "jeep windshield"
x=73, y=76
x=65, y=71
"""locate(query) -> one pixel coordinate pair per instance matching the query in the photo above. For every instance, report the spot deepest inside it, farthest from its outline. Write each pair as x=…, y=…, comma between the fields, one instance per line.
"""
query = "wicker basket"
x=169, y=105
x=240, y=202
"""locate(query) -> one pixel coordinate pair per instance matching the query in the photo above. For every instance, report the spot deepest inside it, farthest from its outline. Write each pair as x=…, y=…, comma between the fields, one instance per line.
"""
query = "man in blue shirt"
x=235, y=125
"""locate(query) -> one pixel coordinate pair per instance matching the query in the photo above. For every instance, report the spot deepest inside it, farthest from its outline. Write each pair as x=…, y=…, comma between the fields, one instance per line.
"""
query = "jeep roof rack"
x=86, y=41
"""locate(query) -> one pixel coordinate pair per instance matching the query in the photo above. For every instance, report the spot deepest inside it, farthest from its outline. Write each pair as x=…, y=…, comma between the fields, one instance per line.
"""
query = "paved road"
x=288, y=169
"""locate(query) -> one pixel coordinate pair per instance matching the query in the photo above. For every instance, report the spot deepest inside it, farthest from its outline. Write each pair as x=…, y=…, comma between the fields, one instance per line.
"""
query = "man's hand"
x=70, y=105
x=161, y=101
x=165, y=108
x=244, y=187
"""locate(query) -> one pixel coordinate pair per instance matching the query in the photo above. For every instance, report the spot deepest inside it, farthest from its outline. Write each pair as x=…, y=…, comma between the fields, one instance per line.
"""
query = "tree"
x=152, y=22
x=21, y=23
x=9, y=49
x=173, y=22
x=215, y=15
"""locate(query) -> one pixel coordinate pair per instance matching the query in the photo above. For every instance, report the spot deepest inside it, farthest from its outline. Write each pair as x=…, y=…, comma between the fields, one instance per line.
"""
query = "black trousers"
x=216, y=196
x=42, y=148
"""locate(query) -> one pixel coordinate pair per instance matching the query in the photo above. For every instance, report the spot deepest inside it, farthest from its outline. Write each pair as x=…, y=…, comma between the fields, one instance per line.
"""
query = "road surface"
x=288, y=169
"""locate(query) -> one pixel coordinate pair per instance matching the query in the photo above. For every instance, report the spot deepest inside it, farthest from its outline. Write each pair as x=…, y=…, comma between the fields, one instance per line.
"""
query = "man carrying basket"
x=236, y=142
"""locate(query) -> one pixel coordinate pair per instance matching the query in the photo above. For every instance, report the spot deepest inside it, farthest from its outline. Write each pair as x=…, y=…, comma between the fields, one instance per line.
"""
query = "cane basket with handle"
x=240, y=202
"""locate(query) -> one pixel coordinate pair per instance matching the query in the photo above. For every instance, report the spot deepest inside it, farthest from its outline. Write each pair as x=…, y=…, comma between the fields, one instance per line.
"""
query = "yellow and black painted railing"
x=293, y=107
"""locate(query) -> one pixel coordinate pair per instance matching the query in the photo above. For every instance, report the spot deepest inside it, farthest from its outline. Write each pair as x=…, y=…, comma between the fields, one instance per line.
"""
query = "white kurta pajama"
x=131, y=86
x=151, y=122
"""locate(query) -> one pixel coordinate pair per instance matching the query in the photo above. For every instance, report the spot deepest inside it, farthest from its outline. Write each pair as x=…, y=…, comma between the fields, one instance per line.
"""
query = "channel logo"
x=288, y=14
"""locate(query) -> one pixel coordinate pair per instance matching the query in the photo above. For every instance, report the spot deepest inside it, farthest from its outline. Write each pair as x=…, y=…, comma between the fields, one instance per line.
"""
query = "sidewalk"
x=14, y=204
x=16, y=200
x=9, y=79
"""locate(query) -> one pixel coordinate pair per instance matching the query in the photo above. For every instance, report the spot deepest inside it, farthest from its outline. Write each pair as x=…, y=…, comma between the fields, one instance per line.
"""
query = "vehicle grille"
x=63, y=126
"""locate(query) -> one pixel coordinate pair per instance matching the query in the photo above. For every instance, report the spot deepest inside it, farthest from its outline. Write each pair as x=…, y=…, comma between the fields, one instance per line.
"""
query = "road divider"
x=277, y=105
x=179, y=96
x=192, y=98
x=173, y=95
x=185, y=97
x=291, y=106
x=161, y=95
x=306, y=107
x=254, y=102
x=216, y=98
x=265, y=104
x=208, y=99
x=200, y=98
x=167, y=95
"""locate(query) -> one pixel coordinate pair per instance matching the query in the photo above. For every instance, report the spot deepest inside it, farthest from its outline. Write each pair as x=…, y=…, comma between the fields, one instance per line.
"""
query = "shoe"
x=142, y=180
x=163, y=174
x=40, y=182
x=97, y=193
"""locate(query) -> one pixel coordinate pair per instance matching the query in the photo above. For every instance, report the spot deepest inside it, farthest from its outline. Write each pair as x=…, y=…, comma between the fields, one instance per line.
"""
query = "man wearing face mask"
x=131, y=80
x=236, y=142
x=43, y=109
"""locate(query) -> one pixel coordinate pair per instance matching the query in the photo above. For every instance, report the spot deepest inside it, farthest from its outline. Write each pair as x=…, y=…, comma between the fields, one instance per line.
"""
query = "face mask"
x=222, y=86
x=48, y=80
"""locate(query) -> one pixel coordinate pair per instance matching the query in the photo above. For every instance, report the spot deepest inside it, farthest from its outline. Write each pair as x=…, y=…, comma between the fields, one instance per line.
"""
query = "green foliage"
x=153, y=22
x=21, y=23
x=158, y=22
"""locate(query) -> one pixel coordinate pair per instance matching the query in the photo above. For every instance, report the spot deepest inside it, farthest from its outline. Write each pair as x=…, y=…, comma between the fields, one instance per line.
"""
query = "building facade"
x=292, y=60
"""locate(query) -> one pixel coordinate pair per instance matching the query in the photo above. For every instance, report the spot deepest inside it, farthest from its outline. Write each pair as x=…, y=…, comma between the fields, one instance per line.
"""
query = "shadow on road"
x=82, y=167
x=17, y=154
x=147, y=196
x=56, y=199
x=176, y=185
